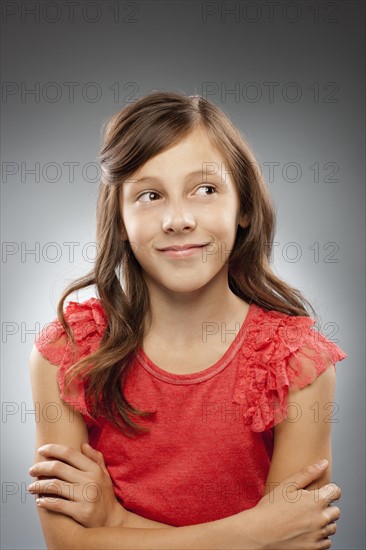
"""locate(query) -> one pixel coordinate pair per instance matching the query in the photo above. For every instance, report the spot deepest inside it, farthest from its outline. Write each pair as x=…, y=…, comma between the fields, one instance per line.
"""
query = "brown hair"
x=132, y=136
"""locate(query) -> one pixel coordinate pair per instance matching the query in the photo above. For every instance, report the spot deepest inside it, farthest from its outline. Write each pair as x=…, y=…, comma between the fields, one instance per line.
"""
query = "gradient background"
x=114, y=52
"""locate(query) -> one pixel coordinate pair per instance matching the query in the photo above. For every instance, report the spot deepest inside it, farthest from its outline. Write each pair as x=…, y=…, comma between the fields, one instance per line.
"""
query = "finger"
x=327, y=531
x=66, y=507
x=305, y=476
x=55, y=468
x=67, y=454
x=331, y=513
x=330, y=529
x=330, y=493
x=55, y=489
x=94, y=455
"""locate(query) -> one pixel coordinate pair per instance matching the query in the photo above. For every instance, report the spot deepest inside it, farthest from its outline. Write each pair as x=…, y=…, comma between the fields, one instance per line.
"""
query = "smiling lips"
x=184, y=247
x=182, y=251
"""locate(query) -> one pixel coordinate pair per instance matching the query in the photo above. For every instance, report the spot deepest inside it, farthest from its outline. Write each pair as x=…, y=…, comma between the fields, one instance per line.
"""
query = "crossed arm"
x=63, y=531
x=54, y=516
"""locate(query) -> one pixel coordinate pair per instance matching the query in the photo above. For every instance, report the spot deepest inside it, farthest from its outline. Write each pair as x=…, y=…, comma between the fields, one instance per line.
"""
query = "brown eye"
x=149, y=193
x=211, y=187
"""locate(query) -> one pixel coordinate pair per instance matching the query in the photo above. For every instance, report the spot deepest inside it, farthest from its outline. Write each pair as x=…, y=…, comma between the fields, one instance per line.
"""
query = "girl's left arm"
x=304, y=437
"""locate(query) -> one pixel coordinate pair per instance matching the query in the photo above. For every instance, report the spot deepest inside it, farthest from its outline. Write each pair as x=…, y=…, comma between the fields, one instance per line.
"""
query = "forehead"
x=195, y=155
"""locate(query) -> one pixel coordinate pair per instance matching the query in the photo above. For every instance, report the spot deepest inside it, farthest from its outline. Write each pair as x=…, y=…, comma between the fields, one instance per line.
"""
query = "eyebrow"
x=147, y=179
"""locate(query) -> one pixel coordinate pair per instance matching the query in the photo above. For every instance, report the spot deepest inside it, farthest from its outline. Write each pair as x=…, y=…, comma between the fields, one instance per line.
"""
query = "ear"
x=123, y=231
x=243, y=220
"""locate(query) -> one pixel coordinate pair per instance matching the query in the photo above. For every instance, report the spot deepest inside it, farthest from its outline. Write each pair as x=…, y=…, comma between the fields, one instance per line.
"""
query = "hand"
x=78, y=485
x=290, y=517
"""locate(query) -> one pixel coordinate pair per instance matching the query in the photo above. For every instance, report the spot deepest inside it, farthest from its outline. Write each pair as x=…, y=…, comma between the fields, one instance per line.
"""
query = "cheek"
x=135, y=225
x=141, y=235
x=225, y=223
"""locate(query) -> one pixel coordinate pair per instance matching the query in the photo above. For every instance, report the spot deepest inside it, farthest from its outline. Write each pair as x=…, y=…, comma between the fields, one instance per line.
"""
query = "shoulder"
x=53, y=347
x=274, y=336
x=87, y=322
x=280, y=353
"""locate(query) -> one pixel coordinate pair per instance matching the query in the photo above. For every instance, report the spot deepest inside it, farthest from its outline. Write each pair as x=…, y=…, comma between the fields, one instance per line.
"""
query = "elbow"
x=61, y=532
x=63, y=541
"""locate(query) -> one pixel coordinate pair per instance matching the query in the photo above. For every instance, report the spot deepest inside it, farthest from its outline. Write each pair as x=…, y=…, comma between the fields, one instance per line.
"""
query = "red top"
x=210, y=446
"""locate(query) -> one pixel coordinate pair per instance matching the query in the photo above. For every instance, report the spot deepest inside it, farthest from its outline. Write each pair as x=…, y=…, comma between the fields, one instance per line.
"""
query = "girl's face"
x=187, y=196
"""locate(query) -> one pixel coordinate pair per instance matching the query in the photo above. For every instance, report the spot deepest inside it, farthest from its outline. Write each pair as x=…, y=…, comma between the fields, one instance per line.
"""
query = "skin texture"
x=182, y=210
x=183, y=294
x=305, y=436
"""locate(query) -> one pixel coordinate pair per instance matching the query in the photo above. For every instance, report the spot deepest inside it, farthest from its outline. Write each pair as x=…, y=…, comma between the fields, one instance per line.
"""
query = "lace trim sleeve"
x=281, y=352
x=87, y=321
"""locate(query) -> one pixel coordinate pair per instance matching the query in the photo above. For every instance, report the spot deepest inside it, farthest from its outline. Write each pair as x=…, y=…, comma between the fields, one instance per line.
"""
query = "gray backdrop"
x=290, y=74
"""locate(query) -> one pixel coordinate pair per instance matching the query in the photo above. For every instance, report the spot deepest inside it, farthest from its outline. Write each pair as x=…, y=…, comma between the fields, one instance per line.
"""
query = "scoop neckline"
x=205, y=374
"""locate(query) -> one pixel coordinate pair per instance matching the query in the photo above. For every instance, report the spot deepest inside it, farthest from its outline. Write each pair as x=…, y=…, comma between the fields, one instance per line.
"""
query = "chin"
x=187, y=287
x=183, y=282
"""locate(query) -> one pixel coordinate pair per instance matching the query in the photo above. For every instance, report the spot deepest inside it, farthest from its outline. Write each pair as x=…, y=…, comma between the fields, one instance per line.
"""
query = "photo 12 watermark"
x=70, y=12
x=272, y=91
x=67, y=92
x=270, y=12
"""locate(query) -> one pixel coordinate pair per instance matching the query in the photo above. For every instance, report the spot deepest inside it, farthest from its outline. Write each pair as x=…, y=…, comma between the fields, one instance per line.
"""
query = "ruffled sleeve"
x=280, y=352
x=88, y=322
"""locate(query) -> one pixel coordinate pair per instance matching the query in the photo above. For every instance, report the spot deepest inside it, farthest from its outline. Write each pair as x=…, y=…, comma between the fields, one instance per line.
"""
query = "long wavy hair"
x=132, y=136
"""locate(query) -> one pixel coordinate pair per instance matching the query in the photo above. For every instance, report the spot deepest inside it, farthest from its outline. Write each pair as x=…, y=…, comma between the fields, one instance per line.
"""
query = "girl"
x=180, y=374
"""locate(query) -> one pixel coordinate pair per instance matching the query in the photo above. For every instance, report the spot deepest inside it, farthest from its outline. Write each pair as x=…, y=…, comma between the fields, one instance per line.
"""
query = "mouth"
x=185, y=247
x=182, y=252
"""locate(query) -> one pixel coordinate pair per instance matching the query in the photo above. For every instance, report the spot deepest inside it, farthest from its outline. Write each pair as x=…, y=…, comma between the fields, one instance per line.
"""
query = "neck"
x=184, y=318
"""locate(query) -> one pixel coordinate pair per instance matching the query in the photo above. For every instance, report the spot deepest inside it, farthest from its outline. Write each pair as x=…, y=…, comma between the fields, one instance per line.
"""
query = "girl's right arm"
x=62, y=531
x=294, y=523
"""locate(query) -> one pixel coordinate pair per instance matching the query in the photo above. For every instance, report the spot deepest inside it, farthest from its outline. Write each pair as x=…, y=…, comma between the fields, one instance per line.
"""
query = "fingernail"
x=322, y=463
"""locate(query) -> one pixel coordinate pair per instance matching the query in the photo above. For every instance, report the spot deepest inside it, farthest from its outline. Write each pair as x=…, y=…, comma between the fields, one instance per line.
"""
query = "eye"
x=146, y=193
x=208, y=187
x=150, y=194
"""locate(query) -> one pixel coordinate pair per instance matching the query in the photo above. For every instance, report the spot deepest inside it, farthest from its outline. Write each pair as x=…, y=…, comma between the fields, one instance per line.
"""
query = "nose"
x=178, y=217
